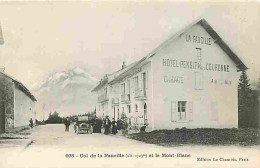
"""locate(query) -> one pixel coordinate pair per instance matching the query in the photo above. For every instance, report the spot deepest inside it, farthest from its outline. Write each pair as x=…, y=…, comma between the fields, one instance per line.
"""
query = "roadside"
x=18, y=139
x=200, y=136
x=23, y=133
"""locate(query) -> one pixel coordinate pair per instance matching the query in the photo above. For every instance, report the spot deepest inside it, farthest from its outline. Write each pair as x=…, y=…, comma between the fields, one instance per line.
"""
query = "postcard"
x=129, y=84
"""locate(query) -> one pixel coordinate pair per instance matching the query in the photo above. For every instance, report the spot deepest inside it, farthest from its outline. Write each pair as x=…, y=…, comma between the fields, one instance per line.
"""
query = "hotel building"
x=189, y=81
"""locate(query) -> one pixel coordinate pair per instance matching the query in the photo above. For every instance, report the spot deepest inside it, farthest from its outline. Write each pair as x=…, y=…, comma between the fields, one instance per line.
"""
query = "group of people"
x=118, y=125
x=97, y=124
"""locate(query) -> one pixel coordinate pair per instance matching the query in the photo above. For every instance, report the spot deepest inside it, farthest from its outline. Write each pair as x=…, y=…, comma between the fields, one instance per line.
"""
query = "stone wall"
x=7, y=95
x=24, y=108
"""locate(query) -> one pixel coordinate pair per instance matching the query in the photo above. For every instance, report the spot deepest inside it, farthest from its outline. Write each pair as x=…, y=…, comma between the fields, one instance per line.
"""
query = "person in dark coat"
x=114, y=127
x=124, y=127
x=107, y=125
x=119, y=124
x=67, y=124
x=95, y=125
x=99, y=125
x=31, y=123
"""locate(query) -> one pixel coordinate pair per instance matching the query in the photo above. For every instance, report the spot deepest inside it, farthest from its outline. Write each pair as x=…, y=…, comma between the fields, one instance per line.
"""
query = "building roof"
x=21, y=87
x=100, y=85
x=130, y=71
x=111, y=77
x=240, y=65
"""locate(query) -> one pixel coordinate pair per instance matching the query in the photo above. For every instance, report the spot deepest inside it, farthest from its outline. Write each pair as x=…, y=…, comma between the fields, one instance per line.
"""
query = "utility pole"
x=1, y=36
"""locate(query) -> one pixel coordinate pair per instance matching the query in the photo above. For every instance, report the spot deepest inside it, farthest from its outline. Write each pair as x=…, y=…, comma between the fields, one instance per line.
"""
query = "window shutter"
x=190, y=110
x=140, y=81
x=173, y=111
x=146, y=73
x=214, y=111
x=129, y=86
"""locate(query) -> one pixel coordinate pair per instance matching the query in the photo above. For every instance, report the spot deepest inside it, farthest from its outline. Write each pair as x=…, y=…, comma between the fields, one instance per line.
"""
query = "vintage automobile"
x=83, y=125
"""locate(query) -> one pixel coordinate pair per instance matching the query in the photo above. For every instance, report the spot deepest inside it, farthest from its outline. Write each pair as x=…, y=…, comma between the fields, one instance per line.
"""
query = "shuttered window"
x=181, y=111
x=198, y=81
x=214, y=111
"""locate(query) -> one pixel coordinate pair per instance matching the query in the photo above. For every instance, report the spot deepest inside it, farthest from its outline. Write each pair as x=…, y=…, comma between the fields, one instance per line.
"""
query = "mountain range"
x=67, y=92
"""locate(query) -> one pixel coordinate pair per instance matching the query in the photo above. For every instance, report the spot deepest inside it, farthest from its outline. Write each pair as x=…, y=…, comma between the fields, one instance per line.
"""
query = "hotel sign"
x=198, y=39
x=194, y=65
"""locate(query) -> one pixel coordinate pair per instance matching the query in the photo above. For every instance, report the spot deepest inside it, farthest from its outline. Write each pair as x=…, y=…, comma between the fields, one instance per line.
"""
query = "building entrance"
x=116, y=113
x=2, y=117
x=145, y=114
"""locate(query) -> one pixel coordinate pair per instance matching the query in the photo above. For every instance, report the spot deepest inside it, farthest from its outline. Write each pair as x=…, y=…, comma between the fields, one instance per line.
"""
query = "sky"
x=44, y=37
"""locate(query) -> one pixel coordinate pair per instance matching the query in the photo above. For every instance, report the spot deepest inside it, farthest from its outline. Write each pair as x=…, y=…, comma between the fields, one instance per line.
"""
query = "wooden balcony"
x=140, y=94
x=125, y=99
x=115, y=101
x=102, y=99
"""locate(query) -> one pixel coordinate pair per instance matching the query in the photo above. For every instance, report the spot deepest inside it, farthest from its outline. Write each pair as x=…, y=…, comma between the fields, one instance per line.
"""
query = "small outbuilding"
x=16, y=104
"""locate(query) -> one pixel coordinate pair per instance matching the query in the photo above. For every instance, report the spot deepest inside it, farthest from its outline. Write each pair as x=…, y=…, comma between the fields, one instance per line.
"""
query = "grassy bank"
x=200, y=136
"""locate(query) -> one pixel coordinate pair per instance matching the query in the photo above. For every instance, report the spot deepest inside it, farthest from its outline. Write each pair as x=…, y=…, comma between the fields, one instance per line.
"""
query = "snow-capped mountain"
x=67, y=92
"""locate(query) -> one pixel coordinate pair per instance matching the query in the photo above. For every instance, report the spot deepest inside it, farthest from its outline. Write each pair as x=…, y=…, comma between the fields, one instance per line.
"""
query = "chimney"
x=2, y=69
x=123, y=66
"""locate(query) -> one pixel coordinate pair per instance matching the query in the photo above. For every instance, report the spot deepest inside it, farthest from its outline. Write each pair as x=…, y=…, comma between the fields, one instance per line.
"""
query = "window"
x=198, y=81
x=143, y=83
x=123, y=89
x=129, y=121
x=105, y=92
x=128, y=86
x=136, y=108
x=129, y=108
x=145, y=114
x=181, y=111
x=199, y=54
x=136, y=83
x=118, y=113
x=214, y=111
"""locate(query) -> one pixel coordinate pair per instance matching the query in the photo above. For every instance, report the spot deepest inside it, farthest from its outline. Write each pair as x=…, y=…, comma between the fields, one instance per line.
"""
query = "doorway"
x=2, y=117
x=145, y=113
x=144, y=84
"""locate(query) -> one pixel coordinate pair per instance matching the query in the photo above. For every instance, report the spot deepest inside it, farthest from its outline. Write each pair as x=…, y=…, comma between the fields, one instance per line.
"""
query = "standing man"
x=107, y=125
x=114, y=127
x=67, y=124
x=31, y=123
x=99, y=123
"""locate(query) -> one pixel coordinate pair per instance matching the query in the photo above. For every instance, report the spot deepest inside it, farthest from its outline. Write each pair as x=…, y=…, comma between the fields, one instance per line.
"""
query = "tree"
x=54, y=118
x=244, y=100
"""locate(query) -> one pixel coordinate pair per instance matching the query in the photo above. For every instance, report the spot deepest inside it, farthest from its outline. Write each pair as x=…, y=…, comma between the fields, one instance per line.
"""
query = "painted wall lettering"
x=173, y=79
x=221, y=82
x=195, y=65
x=198, y=39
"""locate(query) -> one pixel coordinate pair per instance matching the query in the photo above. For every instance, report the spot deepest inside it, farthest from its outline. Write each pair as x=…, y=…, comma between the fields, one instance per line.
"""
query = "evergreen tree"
x=244, y=101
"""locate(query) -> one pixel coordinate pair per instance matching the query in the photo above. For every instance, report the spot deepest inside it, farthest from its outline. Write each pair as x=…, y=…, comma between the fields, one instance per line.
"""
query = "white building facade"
x=188, y=81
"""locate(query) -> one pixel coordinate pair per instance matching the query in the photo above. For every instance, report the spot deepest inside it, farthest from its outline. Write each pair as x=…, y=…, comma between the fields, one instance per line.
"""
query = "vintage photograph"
x=129, y=84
